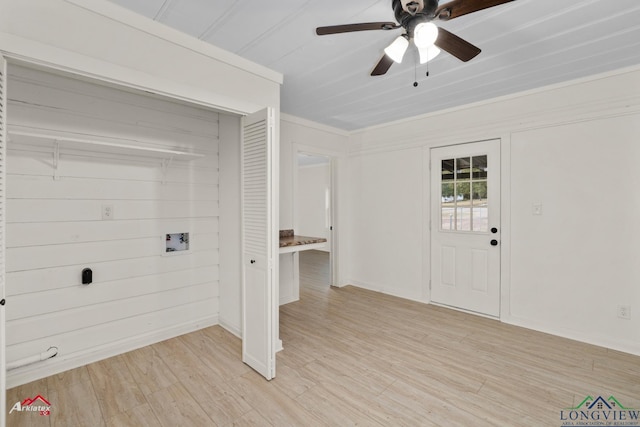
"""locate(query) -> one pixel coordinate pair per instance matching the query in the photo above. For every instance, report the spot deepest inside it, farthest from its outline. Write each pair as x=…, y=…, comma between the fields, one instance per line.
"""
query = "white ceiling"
x=525, y=44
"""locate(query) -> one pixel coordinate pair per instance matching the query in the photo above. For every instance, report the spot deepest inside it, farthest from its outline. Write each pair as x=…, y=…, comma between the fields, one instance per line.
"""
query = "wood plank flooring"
x=351, y=357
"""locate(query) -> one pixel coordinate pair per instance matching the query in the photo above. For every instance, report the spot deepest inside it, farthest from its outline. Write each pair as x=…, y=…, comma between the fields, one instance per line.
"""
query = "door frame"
x=335, y=223
x=505, y=220
x=3, y=247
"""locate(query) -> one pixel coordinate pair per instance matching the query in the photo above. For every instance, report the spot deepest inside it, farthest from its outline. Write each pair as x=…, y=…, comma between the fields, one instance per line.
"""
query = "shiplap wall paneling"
x=55, y=227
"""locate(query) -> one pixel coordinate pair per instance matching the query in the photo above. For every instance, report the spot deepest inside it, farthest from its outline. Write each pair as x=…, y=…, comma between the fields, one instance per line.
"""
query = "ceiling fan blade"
x=456, y=46
x=383, y=66
x=457, y=8
x=349, y=28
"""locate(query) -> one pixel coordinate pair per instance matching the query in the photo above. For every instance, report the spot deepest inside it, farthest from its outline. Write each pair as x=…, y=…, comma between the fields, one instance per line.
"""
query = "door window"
x=464, y=202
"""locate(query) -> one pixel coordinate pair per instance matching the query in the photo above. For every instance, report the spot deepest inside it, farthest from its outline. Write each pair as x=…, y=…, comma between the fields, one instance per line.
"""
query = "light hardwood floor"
x=351, y=357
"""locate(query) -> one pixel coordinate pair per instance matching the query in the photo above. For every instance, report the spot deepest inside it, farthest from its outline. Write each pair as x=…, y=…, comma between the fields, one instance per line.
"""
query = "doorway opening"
x=313, y=215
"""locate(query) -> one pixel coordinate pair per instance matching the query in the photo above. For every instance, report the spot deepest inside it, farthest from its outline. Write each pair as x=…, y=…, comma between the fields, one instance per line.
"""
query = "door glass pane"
x=448, y=206
x=463, y=206
x=480, y=208
x=448, y=166
x=479, y=167
x=463, y=168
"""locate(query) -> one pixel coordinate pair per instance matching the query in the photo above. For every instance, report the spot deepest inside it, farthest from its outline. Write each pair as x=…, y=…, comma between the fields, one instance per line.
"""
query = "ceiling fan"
x=415, y=17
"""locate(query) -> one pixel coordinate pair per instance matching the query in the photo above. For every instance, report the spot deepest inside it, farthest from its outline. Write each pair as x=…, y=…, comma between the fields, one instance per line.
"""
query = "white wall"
x=573, y=265
x=386, y=222
x=572, y=148
x=230, y=226
x=313, y=183
x=55, y=227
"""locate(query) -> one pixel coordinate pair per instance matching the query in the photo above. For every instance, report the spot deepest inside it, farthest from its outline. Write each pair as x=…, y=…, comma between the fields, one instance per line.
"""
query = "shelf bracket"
x=56, y=159
x=165, y=167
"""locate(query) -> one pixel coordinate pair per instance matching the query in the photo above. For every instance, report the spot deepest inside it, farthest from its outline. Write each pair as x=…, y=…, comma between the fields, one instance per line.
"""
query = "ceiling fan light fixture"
x=397, y=49
x=428, y=53
x=425, y=35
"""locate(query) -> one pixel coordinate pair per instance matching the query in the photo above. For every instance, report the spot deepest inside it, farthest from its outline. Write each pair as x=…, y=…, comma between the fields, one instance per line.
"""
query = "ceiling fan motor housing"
x=406, y=10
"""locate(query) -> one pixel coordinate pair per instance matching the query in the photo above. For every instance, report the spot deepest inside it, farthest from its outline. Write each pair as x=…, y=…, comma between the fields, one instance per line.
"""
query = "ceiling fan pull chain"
x=415, y=70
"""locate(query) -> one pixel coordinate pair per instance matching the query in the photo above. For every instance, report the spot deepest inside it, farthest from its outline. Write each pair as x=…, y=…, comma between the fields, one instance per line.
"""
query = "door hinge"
x=331, y=228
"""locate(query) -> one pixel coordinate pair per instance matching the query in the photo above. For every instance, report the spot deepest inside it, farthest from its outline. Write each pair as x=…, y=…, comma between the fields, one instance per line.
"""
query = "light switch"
x=536, y=209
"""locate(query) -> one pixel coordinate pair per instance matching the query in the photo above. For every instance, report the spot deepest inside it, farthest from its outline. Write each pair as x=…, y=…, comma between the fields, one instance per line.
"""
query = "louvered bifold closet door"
x=3, y=207
x=256, y=191
x=258, y=329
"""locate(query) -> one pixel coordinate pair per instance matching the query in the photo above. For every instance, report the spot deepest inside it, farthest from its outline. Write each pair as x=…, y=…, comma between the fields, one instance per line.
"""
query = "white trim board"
x=31, y=54
x=490, y=101
x=314, y=125
x=575, y=101
x=115, y=12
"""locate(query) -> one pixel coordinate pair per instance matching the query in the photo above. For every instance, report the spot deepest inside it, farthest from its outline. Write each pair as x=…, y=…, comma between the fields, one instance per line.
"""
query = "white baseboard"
x=606, y=342
x=235, y=330
x=288, y=299
x=36, y=371
x=462, y=310
x=600, y=341
x=384, y=290
x=341, y=284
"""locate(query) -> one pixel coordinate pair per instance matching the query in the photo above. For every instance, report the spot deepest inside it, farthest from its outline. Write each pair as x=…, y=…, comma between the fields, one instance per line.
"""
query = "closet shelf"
x=101, y=144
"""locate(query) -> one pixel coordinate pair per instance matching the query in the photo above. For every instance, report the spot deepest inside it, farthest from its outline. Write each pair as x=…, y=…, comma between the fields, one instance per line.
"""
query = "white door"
x=3, y=181
x=259, y=242
x=465, y=226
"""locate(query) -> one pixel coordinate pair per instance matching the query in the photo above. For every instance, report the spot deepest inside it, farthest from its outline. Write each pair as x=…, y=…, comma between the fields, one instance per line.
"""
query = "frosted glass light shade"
x=397, y=49
x=428, y=53
x=425, y=35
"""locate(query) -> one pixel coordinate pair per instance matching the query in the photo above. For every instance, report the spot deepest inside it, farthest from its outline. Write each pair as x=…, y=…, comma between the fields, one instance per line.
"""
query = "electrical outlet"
x=624, y=312
x=536, y=209
x=107, y=212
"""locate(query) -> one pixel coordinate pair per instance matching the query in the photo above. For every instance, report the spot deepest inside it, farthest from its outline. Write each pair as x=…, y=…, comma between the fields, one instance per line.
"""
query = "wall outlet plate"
x=536, y=209
x=624, y=312
x=107, y=212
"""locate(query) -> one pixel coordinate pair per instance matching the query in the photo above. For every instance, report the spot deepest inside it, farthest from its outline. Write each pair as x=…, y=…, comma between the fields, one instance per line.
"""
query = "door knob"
x=494, y=230
x=494, y=242
x=253, y=261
